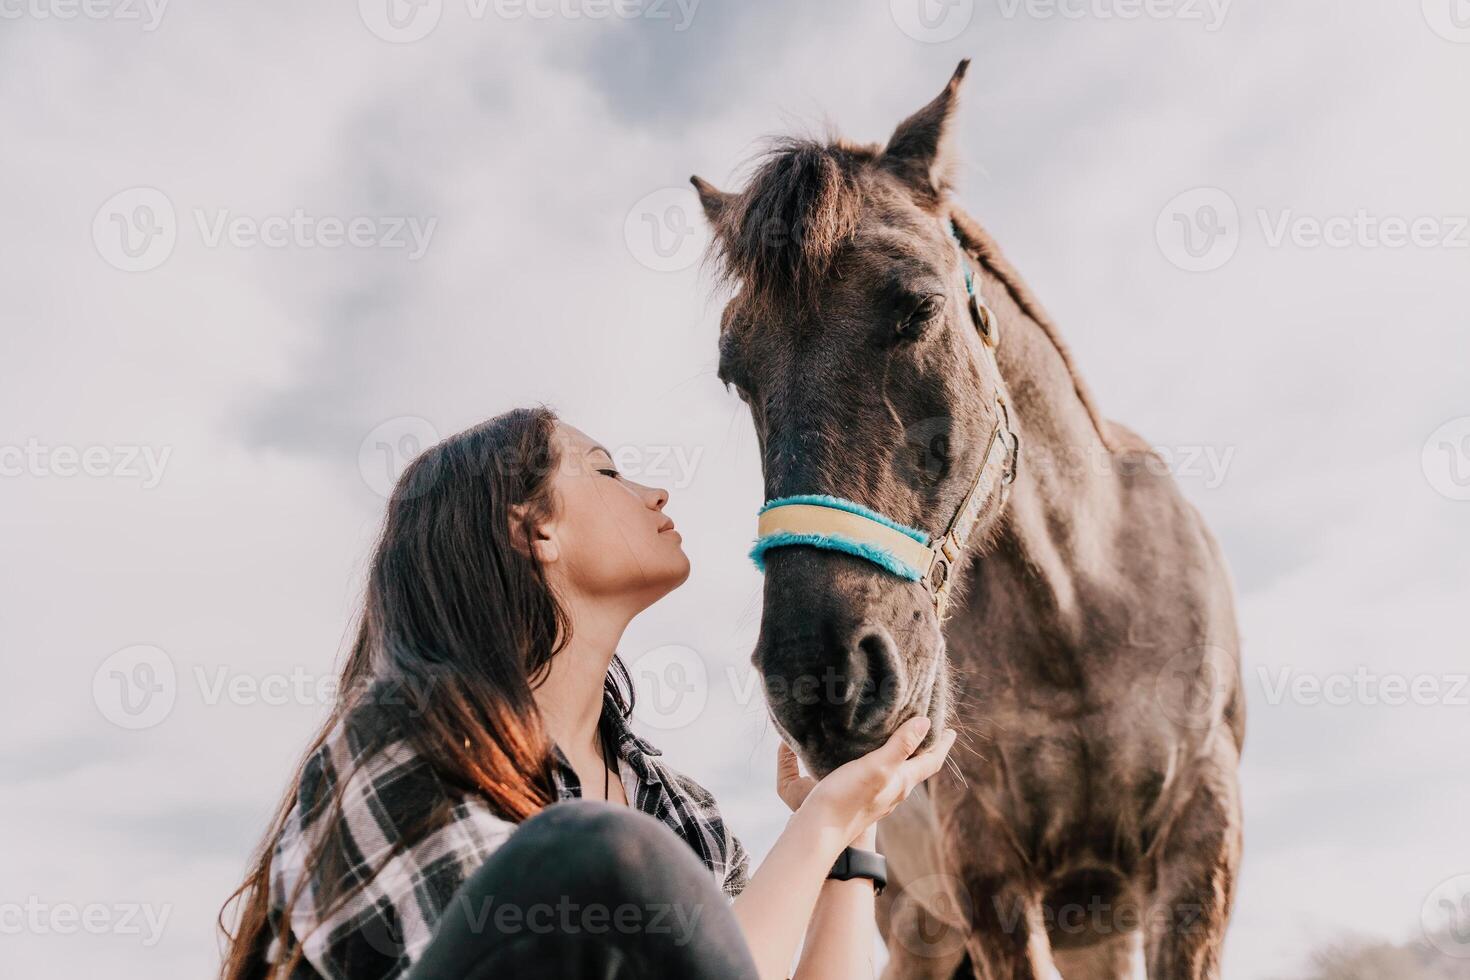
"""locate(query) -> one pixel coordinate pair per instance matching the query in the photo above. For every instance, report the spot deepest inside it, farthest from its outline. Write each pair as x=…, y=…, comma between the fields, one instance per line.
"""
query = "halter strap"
x=841, y=525
x=836, y=524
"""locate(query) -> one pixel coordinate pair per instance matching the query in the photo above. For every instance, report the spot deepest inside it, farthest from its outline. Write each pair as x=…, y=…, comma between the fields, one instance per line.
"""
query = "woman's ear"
x=538, y=539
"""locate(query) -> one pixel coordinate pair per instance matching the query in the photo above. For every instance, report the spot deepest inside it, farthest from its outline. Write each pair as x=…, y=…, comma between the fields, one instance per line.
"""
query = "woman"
x=419, y=834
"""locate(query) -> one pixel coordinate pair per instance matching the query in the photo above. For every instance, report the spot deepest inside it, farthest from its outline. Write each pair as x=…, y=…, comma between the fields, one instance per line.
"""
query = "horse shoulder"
x=1120, y=438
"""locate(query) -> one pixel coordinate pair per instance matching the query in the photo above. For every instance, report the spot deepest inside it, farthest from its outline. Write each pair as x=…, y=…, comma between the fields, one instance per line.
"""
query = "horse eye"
x=926, y=311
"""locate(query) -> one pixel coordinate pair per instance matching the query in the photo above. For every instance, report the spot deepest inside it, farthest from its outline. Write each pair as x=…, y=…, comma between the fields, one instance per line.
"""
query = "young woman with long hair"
x=476, y=804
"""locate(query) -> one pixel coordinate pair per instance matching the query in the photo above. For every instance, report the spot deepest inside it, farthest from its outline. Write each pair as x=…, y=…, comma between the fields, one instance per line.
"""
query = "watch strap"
x=855, y=862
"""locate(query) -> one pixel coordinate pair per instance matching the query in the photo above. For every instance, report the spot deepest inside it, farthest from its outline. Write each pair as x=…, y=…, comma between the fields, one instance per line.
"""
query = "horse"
x=1079, y=631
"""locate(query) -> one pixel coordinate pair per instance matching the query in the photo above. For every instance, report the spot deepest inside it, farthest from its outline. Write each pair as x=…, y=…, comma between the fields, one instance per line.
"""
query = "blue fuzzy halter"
x=837, y=542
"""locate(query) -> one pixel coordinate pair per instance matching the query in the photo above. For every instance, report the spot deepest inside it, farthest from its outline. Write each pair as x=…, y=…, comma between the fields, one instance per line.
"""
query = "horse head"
x=851, y=335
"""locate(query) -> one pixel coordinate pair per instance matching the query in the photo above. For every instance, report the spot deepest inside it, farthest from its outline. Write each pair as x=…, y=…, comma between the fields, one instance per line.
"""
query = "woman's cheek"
x=621, y=554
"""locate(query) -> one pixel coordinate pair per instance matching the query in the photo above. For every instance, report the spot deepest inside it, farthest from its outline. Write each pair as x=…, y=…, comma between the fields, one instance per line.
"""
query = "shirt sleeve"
x=737, y=866
x=718, y=838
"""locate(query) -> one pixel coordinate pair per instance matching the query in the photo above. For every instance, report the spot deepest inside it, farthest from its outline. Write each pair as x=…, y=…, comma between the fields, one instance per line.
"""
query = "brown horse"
x=1091, y=810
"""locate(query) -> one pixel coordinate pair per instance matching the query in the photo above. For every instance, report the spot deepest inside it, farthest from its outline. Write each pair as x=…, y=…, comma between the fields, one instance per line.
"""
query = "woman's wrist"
x=828, y=833
x=831, y=831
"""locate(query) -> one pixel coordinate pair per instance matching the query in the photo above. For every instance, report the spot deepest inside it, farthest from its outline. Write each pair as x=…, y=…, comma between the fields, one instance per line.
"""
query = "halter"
x=836, y=524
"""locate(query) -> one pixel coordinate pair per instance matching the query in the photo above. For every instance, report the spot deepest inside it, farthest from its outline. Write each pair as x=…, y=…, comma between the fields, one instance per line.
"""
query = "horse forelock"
x=782, y=233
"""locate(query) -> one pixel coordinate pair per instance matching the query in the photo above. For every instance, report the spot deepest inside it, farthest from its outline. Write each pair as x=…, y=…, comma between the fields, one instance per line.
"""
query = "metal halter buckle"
x=984, y=321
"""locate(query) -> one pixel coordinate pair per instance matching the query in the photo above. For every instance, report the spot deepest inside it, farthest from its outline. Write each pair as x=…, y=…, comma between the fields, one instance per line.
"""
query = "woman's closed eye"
x=612, y=473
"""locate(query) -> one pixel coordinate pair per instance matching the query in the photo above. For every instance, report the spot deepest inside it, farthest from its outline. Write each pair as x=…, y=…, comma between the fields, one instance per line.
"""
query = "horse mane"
x=983, y=249
x=780, y=235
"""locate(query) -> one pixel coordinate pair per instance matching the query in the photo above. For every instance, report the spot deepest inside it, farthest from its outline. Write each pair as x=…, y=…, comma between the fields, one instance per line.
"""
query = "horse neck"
x=1063, y=505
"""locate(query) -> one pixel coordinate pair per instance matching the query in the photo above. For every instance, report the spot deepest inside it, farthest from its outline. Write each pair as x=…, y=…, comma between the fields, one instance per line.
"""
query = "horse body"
x=1090, y=811
x=1095, y=652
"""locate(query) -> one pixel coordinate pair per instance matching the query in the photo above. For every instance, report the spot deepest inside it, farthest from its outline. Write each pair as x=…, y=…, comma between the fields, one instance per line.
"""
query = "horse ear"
x=712, y=198
x=919, y=151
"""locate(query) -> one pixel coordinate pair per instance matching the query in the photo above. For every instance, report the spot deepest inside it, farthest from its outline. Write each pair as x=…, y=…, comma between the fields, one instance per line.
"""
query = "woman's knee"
x=587, y=868
x=618, y=833
x=618, y=842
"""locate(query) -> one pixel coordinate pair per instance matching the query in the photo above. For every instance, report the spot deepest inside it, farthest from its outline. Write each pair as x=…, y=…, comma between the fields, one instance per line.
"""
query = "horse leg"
x=1119, y=957
x=1196, y=881
x=1009, y=941
x=920, y=914
x=1094, y=920
x=924, y=942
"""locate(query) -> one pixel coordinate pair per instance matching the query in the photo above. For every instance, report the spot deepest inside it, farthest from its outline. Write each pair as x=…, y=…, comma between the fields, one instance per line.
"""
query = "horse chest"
x=1092, y=785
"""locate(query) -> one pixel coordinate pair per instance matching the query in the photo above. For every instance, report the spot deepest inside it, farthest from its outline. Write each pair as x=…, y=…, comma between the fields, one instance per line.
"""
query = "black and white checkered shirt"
x=385, y=925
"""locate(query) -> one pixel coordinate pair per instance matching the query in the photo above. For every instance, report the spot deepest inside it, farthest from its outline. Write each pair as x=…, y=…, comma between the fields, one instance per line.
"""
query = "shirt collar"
x=629, y=742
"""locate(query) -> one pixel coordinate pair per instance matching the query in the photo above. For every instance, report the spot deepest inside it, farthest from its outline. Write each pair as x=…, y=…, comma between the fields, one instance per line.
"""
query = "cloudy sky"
x=253, y=255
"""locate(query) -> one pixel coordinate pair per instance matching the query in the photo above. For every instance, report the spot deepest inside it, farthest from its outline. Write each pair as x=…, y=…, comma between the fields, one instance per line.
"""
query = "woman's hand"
x=791, y=785
x=858, y=794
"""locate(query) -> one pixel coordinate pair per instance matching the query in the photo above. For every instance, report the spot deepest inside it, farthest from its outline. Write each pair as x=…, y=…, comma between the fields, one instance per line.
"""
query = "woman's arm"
x=839, y=941
x=781, y=897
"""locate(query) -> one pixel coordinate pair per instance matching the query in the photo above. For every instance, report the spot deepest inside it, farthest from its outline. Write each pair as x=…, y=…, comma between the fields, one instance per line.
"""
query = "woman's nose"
x=657, y=497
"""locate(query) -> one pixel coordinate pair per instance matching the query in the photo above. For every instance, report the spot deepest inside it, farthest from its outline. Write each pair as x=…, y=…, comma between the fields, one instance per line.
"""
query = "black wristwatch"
x=856, y=863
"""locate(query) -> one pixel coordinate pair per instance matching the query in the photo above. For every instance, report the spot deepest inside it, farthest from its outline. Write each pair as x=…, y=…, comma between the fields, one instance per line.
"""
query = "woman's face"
x=610, y=536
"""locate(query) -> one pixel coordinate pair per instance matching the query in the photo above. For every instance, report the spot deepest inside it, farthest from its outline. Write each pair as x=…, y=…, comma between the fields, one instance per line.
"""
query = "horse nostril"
x=874, y=676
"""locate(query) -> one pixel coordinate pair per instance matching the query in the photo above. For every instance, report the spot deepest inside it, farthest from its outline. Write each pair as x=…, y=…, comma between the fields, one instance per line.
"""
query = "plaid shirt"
x=386, y=923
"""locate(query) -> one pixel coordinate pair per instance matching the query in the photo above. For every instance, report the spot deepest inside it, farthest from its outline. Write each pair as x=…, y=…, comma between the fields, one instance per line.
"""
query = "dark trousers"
x=588, y=889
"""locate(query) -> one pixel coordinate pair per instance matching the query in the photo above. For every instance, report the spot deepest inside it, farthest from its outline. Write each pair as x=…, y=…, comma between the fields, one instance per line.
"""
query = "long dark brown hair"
x=458, y=617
